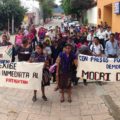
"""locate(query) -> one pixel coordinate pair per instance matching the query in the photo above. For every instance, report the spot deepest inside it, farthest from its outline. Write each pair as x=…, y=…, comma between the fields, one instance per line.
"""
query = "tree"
x=11, y=9
x=82, y=4
x=47, y=6
x=76, y=6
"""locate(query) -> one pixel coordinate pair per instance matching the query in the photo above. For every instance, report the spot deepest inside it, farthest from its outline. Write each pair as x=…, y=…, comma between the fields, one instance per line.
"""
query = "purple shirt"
x=66, y=62
x=38, y=57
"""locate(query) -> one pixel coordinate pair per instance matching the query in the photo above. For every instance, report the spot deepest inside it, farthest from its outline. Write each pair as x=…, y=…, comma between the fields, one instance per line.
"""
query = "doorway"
x=108, y=14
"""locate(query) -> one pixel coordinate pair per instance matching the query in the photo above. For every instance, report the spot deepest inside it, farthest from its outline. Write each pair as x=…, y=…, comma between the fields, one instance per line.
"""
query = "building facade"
x=92, y=14
x=109, y=12
x=34, y=12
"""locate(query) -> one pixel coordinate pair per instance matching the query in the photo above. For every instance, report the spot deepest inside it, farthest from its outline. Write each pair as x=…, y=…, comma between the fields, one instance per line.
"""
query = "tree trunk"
x=8, y=24
x=13, y=27
x=78, y=16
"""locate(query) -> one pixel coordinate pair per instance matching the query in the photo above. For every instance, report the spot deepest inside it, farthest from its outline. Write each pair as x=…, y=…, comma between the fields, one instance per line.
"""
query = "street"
x=52, y=23
x=89, y=103
x=59, y=60
x=92, y=102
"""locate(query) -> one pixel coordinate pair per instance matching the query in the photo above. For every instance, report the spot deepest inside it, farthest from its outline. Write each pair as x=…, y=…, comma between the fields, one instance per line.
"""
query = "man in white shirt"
x=90, y=37
x=96, y=47
x=65, y=24
x=51, y=34
x=108, y=33
x=101, y=35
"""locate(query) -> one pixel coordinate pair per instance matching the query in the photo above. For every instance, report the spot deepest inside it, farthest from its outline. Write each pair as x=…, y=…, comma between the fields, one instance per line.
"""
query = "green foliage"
x=82, y=4
x=75, y=6
x=66, y=4
x=9, y=8
x=47, y=6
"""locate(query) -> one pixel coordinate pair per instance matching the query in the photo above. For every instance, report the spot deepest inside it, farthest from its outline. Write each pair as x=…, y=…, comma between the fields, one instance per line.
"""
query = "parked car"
x=73, y=23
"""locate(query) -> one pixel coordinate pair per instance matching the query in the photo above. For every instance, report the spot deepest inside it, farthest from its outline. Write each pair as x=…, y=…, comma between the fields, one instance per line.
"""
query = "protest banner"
x=5, y=54
x=98, y=68
x=21, y=75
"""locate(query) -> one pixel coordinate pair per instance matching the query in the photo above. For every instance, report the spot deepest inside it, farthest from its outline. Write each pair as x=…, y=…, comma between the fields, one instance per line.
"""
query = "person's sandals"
x=34, y=99
x=69, y=100
x=44, y=98
x=56, y=89
x=62, y=100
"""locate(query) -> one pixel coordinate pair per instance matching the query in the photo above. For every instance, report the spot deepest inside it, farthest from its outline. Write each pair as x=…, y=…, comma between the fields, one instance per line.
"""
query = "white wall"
x=33, y=7
x=30, y=4
x=37, y=16
x=92, y=15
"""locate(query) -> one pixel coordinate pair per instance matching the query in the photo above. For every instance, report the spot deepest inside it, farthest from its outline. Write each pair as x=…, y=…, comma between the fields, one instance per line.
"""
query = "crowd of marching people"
x=58, y=47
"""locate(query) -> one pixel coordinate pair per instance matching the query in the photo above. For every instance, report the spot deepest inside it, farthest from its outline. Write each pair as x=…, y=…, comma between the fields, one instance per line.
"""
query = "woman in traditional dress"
x=64, y=71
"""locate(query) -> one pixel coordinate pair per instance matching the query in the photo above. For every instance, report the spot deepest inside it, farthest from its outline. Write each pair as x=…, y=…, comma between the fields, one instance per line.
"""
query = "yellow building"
x=108, y=12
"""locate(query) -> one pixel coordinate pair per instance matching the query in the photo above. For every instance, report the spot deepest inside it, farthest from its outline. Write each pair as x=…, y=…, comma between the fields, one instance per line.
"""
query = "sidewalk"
x=89, y=103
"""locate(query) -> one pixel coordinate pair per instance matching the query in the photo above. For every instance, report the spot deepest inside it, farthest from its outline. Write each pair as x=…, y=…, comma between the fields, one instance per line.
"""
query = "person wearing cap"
x=64, y=71
x=52, y=33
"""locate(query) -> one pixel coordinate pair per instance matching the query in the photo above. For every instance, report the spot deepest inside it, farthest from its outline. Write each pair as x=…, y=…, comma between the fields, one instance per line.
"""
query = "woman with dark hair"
x=65, y=61
x=55, y=53
x=34, y=32
x=97, y=48
x=5, y=42
x=24, y=51
x=38, y=56
x=19, y=38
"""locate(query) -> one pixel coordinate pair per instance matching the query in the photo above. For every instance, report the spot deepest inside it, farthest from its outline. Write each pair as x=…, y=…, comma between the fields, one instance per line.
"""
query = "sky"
x=57, y=2
x=29, y=4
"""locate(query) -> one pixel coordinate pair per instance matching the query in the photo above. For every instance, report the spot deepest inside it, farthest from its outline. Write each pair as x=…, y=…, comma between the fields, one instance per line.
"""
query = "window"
x=99, y=13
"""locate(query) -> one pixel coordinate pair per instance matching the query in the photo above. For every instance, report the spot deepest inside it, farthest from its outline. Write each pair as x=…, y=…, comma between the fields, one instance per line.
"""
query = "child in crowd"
x=37, y=57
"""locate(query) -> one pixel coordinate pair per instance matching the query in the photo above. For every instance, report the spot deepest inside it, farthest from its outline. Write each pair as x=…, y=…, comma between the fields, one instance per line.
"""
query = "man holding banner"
x=106, y=69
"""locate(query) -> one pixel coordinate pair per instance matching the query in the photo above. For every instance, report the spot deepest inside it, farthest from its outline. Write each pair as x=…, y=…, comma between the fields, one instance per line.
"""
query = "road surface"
x=54, y=23
x=92, y=102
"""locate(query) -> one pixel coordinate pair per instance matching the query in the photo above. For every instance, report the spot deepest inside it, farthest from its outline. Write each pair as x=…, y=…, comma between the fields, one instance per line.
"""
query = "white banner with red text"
x=21, y=75
x=98, y=68
x=6, y=54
